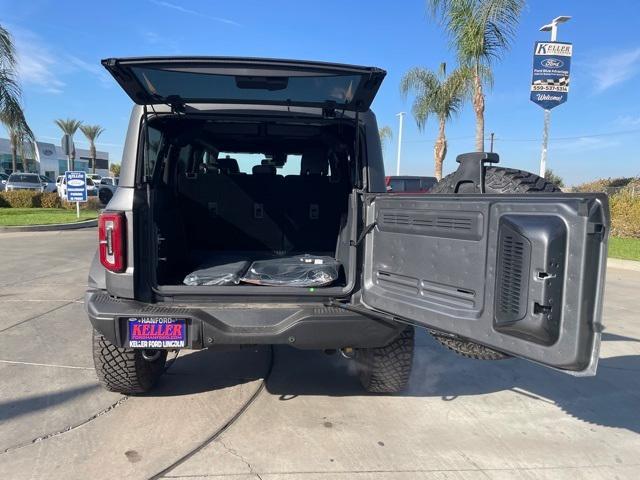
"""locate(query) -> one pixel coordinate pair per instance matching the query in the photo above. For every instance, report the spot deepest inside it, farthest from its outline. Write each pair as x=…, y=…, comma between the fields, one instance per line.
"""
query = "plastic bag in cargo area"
x=296, y=271
x=225, y=274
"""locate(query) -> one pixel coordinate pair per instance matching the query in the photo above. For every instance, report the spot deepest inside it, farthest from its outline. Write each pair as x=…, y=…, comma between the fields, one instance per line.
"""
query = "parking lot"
x=283, y=414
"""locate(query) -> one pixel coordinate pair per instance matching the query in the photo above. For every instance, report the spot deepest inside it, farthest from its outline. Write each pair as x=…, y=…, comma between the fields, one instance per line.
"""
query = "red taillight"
x=111, y=235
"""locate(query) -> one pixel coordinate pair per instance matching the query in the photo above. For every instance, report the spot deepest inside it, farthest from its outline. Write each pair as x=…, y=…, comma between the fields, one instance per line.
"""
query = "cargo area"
x=239, y=204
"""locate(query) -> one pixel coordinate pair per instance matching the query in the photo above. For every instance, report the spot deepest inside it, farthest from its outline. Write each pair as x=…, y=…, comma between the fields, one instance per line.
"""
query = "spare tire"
x=496, y=180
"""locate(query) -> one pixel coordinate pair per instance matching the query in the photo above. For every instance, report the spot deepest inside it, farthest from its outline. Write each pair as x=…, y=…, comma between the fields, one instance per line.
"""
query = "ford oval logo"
x=47, y=151
x=76, y=183
x=552, y=63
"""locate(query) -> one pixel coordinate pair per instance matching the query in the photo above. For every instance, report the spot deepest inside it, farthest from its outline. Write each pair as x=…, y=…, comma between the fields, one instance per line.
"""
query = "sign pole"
x=400, y=116
x=78, y=209
x=545, y=142
x=547, y=118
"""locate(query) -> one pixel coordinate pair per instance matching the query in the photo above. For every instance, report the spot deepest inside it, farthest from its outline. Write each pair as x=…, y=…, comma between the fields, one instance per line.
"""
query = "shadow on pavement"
x=26, y=405
x=609, y=399
x=213, y=369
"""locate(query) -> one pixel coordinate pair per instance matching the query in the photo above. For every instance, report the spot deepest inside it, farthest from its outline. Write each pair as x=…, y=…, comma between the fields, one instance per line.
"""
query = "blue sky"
x=595, y=134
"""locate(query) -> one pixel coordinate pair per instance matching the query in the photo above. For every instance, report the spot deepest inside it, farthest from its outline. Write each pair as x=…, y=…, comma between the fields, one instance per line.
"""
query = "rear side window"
x=152, y=150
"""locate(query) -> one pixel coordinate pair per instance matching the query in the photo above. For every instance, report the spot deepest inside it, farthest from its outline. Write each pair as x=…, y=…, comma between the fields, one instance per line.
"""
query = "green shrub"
x=21, y=199
x=608, y=185
x=92, y=203
x=50, y=200
x=625, y=214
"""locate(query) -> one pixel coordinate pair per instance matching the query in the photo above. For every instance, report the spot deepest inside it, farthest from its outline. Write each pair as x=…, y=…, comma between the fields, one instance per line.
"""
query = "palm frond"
x=68, y=126
x=436, y=93
x=385, y=134
x=7, y=50
x=91, y=131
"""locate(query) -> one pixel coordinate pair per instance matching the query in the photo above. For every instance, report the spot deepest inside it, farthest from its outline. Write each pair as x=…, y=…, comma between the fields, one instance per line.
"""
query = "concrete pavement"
x=460, y=418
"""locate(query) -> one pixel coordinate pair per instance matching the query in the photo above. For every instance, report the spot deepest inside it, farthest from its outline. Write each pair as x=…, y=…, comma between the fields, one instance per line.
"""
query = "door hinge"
x=363, y=234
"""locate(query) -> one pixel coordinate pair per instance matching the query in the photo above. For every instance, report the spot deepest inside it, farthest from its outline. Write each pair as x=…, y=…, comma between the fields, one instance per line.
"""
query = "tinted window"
x=23, y=178
x=152, y=150
x=190, y=86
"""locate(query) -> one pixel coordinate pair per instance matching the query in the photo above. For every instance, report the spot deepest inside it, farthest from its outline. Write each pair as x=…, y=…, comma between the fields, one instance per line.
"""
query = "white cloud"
x=581, y=144
x=36, y=62
x=628, y=120
x=162, y=41
x=43, y=68
x=179, y=8
x=617, y=68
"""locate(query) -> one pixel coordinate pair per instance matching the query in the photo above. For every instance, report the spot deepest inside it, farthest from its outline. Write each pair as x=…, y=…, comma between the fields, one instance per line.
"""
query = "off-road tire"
x=124, y=370
x=502, y=180
x=497, y=180
x=386, y=369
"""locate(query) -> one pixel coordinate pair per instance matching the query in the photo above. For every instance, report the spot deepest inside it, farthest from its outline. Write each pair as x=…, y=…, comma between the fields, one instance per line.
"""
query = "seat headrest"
x=314, y=162
x=263, y=170
x=228, y=165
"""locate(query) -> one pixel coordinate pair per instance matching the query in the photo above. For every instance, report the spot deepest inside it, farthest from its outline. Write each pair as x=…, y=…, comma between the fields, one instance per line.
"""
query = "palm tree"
x=386, y=134
x=21, y=144
x=69, y=127
x=92, y=132
x=439, y=94
x=11, y=113
x=480, y=31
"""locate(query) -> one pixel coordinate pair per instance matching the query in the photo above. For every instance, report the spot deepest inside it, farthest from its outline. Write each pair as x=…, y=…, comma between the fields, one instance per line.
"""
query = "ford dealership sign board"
x=550, y=81
x=76, y=186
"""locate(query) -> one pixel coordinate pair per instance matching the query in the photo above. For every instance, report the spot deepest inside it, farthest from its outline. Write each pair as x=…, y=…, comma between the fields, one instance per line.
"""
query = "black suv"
x=252, y=209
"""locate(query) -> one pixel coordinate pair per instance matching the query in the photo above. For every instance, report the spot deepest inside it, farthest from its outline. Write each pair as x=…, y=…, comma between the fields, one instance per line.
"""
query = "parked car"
x=3, y=180
x=92, y=190
x=48, y=184
x=95, y=177
x=409, y=184
x=24, y=181
x=106, y=188
x=235, y=254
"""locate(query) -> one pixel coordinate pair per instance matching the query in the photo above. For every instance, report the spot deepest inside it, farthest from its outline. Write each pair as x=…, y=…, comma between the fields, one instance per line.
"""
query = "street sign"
x=67, y=144
x=76, y=186
x=550, y=80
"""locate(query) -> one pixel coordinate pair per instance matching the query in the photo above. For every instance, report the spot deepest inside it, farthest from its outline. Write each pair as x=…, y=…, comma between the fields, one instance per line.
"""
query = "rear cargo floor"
x=228, y=267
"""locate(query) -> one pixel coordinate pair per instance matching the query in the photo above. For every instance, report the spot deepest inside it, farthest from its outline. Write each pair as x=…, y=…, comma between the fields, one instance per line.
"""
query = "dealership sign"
x=550, y=80
x=76, y=186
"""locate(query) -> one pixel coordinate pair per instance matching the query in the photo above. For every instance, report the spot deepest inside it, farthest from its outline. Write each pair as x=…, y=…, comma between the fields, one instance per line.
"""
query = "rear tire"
x=124, y=370
x=386, y=369
x=497, y=180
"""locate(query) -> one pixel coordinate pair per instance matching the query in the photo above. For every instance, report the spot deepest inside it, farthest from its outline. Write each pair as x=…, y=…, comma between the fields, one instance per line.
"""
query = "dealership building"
x=51, y=161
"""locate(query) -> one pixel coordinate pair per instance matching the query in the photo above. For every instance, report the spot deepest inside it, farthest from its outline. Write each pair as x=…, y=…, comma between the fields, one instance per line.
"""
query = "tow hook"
x=347, y=352
x=151, y=355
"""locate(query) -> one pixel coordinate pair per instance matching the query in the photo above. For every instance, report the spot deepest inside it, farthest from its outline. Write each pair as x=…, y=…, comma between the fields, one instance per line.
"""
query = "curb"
x=623, y=264
x=52, y=227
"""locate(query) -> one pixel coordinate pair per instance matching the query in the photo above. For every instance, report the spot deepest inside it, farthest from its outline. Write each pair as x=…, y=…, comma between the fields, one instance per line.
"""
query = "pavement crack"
x=70, y=428
x=239, y=456
x=21, y=322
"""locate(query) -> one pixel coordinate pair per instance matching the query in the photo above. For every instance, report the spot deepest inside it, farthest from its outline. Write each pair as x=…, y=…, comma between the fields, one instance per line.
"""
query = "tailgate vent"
x=454, y=223
x=514, y=253
x=432, y=222
x=396, y=219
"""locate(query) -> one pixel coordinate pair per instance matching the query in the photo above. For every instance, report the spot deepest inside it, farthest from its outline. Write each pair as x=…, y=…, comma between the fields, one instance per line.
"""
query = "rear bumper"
x=305, y=327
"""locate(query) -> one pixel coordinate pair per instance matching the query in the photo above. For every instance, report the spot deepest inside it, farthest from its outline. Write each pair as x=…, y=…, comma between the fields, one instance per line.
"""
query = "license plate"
x=151, y=332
